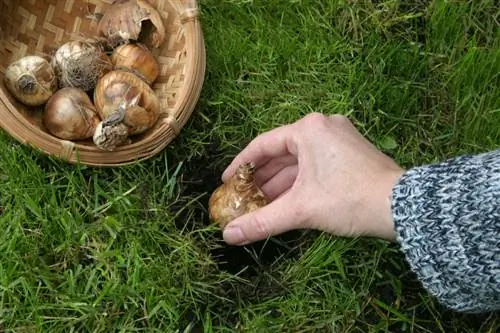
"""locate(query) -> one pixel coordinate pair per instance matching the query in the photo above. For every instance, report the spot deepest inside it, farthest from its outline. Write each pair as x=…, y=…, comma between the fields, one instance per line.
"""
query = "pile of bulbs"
x=100, y=88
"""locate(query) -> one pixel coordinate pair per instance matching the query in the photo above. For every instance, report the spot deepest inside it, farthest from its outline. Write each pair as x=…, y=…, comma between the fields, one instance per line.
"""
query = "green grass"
x=129, y=249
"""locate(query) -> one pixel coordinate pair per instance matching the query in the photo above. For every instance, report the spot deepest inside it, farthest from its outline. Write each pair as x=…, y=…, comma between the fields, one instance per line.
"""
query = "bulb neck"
x=245, y=176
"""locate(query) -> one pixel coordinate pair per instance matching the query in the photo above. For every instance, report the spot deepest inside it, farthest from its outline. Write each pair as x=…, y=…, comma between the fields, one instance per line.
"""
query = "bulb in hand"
x=238, y=196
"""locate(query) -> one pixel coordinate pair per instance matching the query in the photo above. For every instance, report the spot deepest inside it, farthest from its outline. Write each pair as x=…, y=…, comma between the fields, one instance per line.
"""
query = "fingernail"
x=234, y=235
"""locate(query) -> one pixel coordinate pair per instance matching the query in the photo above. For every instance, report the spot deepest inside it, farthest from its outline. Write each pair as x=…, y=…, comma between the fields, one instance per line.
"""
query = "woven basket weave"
x=39, y=27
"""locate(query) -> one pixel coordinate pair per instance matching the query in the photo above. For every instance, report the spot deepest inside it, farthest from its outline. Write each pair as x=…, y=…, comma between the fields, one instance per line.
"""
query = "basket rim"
x=78, y=153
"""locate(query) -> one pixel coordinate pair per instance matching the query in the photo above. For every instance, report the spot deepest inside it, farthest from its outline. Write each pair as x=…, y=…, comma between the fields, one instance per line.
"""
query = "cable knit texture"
x=447, y=220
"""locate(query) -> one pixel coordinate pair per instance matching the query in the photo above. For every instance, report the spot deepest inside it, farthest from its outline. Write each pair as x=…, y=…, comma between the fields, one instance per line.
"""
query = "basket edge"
x=75, y=153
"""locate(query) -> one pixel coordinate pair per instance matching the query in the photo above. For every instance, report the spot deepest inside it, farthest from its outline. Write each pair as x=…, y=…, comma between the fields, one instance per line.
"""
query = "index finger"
x=274, y=143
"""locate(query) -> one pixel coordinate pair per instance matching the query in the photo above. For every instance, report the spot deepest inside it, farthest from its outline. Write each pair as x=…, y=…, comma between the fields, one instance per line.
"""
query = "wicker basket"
x=39, y=27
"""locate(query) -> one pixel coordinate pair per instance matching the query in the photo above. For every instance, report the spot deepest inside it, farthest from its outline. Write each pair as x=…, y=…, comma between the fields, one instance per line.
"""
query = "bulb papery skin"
x=136, y=58
x=70, y=115
x=132, y=20
x=124, y=90
x=80, y=64
x=238, y=196
x=31, y=80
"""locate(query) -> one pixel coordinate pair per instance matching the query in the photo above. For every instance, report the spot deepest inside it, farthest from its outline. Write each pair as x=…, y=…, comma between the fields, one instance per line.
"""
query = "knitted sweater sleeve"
x=447, y=222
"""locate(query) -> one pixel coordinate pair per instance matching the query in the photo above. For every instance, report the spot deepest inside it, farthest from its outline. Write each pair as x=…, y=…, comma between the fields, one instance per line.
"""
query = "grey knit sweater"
x=447, y=220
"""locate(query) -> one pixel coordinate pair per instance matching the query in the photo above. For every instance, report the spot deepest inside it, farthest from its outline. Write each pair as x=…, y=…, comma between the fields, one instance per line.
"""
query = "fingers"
x=280, y=182
x=273, y=167
x=275, y=143
x=282, y=141
x=279, y=216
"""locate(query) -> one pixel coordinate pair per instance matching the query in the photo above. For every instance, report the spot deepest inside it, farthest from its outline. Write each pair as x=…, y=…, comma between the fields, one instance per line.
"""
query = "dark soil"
x=202, y=178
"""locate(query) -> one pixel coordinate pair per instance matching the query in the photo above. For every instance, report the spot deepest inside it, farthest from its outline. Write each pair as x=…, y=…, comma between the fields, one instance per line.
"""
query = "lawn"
x=130, y=249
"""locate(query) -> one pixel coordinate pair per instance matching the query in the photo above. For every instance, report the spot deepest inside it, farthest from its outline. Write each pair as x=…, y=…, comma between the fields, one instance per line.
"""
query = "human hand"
x=320, y=173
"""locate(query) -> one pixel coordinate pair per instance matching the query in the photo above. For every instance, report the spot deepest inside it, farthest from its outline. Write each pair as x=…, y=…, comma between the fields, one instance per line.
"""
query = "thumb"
x=277, y=217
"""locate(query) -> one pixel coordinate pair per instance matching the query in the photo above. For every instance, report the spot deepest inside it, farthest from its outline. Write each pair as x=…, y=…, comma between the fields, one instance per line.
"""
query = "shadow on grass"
x=204, y=177
x=254, y=264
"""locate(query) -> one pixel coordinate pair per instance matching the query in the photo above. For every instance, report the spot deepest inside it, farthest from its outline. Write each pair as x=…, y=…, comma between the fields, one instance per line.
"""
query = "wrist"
x=382, y=218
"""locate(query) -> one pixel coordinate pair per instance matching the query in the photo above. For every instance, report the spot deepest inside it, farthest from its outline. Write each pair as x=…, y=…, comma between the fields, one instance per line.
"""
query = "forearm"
x=447, y=221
